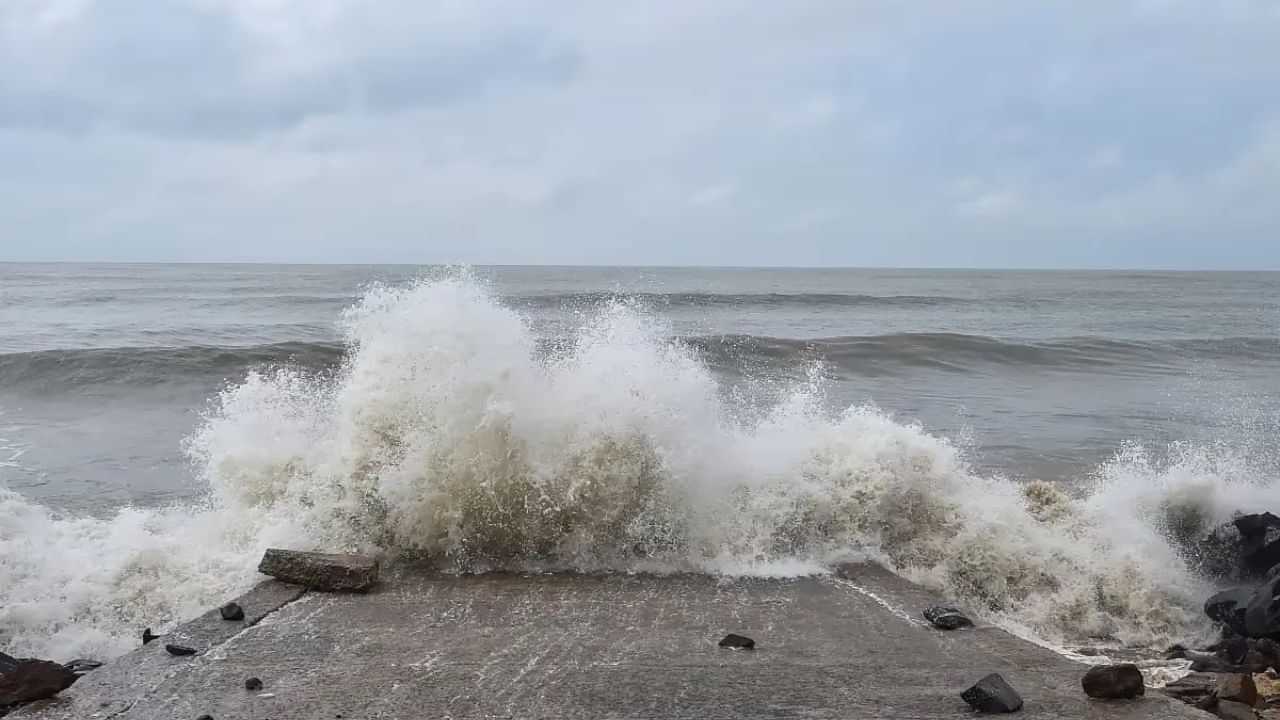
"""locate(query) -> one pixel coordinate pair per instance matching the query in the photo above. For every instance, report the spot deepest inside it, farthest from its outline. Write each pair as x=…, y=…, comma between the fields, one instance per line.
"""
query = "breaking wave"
x=450, y=433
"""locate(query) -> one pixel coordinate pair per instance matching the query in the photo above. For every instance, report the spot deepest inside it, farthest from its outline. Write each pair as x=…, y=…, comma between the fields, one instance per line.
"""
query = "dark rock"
x=1259, y=542
x=738, y=642
x=1192, y=688
x=253, y=684
x=147, y=637
x=179, y=650
x=1229, y=710
x=992, y=694
x=1262, y=614
x=1238, y=688
x=23, y=680
x=231, y=611
x=1202, y=662
x=205, y=717
x=81, y=666
x=1239, y=654
x=1176, y=652
x=947, y=618
x=1228, y=607
x=1114, y=682
x=1090, y=651
x=321, y=571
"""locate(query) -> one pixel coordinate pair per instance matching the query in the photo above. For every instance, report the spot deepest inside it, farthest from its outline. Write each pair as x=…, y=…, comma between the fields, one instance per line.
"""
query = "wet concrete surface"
x=563, y=646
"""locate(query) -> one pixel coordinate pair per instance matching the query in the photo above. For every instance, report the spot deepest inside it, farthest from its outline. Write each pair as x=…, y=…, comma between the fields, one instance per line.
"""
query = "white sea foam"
x=449, y=434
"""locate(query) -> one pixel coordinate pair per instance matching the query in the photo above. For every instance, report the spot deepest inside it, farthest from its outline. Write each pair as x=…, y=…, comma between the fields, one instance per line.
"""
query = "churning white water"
x=451, y=434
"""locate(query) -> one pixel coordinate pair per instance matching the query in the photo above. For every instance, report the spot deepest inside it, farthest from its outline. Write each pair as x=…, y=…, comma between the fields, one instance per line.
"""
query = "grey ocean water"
x=161, y=425
x=105, y=369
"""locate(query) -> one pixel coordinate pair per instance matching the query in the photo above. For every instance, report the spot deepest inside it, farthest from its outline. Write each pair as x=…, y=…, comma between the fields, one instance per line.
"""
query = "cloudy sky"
x=1073, y=133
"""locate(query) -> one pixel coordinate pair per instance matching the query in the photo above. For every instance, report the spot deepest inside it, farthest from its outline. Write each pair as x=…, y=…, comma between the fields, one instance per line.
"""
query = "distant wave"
x=877, y=354
x=736, y=299
x=152, y=365
x=865, y=355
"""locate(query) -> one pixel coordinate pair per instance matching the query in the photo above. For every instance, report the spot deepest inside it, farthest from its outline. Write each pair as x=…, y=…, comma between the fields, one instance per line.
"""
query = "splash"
x=449, y=434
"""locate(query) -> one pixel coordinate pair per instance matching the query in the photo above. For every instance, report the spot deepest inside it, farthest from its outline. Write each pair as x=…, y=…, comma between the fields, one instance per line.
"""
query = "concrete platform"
x=561, y=646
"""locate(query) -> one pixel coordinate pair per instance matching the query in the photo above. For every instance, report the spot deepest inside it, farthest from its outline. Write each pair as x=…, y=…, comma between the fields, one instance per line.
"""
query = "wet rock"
x=231, y=611
x=1262, y=614
x=81, y=666
x=947, y=618
x=992, y=694
x=1237, y=688
x=1192, y=688
x=1268, y=685
x=147, y=637
x=1228, y=710
x=253, y=684
x=737, y=642
x=23, y=680
x=1114, y=682
x=1259, y=542
x=179, y=650
x=1228, y=607
x=321, y=571
x=1239, y=654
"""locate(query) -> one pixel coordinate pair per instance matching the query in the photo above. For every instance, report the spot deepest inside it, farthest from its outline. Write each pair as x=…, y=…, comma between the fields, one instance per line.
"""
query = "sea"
x=1044, y=447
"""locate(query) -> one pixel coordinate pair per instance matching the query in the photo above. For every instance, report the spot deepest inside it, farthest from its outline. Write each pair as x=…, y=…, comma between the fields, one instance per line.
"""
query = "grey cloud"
x=814, y=132
x=176, y=68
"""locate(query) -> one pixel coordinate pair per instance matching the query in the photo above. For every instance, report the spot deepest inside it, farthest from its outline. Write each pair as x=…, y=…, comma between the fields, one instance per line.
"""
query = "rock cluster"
x=1224, y=678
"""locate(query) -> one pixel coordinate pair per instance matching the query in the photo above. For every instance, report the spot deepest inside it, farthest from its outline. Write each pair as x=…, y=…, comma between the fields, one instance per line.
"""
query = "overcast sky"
x=1081, y=133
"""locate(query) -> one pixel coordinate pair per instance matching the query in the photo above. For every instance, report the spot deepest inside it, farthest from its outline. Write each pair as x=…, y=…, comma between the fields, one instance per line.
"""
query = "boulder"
x=1228, y=607
x=231, y=611
x=945, y=617
x=992, y=694
x=1238, y=688
x=1114, y=682
x=737, y=642
x=23, y=680
x=253, y=684
x=1229, y=710
x=321, y=571
x=1192, y=688
x=1259, y=542
x=179, y=650
x=1262, y=614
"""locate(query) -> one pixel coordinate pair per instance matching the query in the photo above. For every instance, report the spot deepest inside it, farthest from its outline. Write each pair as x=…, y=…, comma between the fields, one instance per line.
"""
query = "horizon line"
x=637, y=266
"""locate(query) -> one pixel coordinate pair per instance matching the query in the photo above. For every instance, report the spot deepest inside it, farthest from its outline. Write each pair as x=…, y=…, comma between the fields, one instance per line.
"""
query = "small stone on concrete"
x=231, y=611
x=945, y=617
x=253, y=684
x=737, y=642
x=179, y=650
x=321, y=571
x=1238, y=688
x=80, y=666
x=1113, y=682
x=992, y=694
